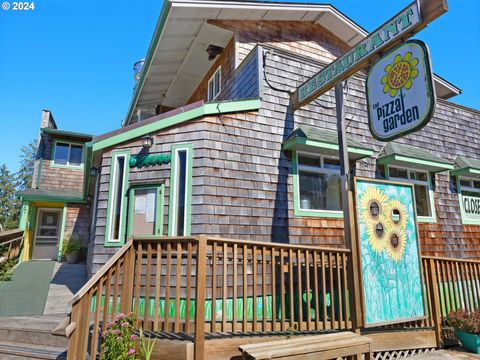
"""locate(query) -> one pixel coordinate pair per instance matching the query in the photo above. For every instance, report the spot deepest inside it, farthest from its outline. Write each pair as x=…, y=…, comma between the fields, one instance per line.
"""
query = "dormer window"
x=214, y=85
x=68, y=154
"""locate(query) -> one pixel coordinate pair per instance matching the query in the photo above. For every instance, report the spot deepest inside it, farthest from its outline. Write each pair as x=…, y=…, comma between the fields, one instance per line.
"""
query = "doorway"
x=145, y=218
x=47, y=234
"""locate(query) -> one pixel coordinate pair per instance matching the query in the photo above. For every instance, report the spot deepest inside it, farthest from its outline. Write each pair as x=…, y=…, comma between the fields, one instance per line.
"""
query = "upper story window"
x=470, y=187
x=421, y=181
x=215, y=85
x=317, y=189
x=68, y=154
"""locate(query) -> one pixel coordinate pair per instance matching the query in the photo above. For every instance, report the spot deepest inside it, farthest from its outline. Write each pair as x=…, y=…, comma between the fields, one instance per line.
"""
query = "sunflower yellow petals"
x=414, y=62
x=393, y=92
x=386, y=88
x=407, y=56
x=413, y=73
x=408, y=84
x=388, y=68
x=397, y=59
x=384, y=79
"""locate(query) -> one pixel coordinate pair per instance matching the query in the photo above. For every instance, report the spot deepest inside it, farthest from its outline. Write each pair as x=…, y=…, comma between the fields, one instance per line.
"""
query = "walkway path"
x=66, y=281
x=447, y=354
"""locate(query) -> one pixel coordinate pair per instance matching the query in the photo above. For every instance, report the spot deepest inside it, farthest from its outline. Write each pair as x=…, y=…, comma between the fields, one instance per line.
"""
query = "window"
x=67, y=154
x=116, y=198
x=214, y=85
x=146, y=210
x=422, y=188
x=469, y=200
x=317, y=185
x=180, y=191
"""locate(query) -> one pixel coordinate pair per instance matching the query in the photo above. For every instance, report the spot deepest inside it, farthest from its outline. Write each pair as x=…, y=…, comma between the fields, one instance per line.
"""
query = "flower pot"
x=72, y=258
x=470, y=342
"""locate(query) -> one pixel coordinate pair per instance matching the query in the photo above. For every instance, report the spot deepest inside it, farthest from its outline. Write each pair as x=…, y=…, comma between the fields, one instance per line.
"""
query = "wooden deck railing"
x=197, y=285
x=11, y=242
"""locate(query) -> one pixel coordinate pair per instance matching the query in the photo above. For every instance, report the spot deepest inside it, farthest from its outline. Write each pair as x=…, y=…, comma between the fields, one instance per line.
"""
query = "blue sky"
x=75, y=58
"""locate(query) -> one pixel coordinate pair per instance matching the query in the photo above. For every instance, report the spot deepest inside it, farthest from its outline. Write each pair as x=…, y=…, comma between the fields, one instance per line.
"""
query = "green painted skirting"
x=229, y=307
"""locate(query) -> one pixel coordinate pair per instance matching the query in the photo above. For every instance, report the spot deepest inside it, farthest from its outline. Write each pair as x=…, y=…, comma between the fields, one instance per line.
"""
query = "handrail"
x=10, y=234
x=103, y=270
x=14, y=240
x=451, y=259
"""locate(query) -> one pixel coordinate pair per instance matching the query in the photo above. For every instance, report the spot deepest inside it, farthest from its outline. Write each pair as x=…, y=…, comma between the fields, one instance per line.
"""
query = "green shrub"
x=6, y=269
x=468, y=322
x=118, y=339
x=71, y=245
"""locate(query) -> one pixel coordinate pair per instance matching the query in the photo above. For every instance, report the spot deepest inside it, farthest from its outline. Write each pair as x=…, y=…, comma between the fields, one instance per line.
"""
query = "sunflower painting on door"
x=390, y=259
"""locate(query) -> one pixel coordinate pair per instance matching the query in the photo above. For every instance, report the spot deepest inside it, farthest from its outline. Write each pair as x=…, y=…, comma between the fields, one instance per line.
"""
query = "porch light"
x=147, y=142
x=213, y=51
x=93, y=171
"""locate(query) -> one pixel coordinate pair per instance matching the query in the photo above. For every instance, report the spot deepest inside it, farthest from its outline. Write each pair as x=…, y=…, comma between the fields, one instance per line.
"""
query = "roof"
x=172, y=118
x=176, y=61
x=462, y=162
x=467, y=167
x=311, y=138
x=69, y=134
x=407, y=155
x=50, y=194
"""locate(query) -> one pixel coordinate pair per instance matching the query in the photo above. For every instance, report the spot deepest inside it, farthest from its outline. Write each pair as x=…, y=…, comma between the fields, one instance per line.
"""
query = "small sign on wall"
x=400, y=91
x=470, y=206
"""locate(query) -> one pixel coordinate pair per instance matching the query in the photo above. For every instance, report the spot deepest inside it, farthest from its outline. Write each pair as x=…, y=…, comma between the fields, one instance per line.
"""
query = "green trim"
x=386, y=160
x=151, y=50
x=431, y=196
x=39, y=171
x=88, y=164
x=52, y=198
x=65, y=133
x=71, y=167
x=159, y=206
x=466, y=172
x=24, y=215
x=323, y=145
x=296, y=197
x=204, y=110
x=460, y=203
x=122, y=232
x=62, y=231
x=188, y=188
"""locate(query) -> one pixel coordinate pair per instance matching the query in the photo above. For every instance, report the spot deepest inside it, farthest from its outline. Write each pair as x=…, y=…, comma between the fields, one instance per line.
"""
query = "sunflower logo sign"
x=389, y=252
x=400, y=92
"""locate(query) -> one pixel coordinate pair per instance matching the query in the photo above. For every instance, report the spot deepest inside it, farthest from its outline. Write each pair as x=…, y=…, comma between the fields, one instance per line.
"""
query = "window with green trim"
x=421, y=181
x=117, y=199
x=67, y=154
x=318, y=184
x=146, y=211
x=180, y=190
x=469, y=199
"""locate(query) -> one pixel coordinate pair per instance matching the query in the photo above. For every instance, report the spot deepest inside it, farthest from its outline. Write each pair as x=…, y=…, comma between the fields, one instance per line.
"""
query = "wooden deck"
x=247, y=290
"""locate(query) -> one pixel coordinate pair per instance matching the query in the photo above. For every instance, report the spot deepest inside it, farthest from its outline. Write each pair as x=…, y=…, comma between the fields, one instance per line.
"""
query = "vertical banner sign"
x=389, y=252
x=400, y=91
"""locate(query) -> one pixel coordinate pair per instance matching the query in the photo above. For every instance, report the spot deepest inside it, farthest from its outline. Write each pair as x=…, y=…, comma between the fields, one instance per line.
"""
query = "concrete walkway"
x=67, y=279
x=447, y=354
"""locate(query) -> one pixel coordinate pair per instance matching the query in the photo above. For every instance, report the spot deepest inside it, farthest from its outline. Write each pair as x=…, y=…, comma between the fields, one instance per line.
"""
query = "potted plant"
x=72, y=248
x=467, y=328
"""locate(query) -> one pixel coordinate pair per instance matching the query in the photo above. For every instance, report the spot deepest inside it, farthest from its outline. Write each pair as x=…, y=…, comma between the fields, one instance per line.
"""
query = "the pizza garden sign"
x=400, y=91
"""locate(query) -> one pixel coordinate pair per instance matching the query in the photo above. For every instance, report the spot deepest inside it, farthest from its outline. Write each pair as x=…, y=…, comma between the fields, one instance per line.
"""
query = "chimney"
x=47, y=120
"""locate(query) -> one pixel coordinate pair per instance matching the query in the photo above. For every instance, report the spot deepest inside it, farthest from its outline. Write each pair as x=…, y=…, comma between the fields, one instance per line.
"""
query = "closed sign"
x=400, y=92
x=470, y=208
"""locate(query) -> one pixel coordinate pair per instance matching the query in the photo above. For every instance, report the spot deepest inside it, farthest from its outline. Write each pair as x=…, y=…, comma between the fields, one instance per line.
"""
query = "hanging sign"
x=407, y=22
x=400, y=91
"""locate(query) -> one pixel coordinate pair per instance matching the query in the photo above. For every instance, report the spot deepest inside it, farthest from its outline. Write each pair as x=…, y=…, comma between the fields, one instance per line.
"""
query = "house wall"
x=56, y=177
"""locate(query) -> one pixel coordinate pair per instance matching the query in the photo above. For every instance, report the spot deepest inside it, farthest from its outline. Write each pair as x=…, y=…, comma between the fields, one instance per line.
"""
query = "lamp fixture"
x=93, y=171
x=147, y=142
x=213, y=51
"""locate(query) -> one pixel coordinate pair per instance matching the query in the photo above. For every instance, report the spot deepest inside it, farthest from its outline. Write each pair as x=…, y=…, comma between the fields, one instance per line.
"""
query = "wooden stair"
x=33, y=337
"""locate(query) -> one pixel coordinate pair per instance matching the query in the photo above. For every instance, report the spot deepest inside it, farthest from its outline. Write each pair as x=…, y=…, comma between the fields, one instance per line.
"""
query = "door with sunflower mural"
x=389, y=252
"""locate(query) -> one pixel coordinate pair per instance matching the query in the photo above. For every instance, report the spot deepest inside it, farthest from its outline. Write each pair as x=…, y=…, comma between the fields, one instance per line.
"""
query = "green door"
x=145, y=215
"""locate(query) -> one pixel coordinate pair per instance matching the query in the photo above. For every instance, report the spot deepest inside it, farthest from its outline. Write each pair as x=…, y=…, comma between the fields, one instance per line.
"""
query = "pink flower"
x=124, y=324
x=121, y=316
x=131, y=351
x=116, y=332
x=104, y=334
x=133, y=337
x=110, y=324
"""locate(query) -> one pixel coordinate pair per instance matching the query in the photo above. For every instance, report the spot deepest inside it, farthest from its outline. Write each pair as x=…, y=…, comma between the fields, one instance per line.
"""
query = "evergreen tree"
x=25, y=173
x=9, y=202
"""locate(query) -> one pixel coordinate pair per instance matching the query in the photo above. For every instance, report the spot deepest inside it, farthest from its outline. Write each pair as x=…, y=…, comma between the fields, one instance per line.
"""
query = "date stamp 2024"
x=18, y=6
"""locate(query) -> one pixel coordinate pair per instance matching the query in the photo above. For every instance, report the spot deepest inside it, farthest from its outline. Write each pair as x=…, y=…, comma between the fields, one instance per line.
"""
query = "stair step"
x=35, y=330
x=10, y=350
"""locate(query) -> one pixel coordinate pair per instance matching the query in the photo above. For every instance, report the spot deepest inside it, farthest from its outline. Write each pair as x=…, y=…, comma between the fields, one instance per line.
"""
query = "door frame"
x=159, y=209
x=61, y=211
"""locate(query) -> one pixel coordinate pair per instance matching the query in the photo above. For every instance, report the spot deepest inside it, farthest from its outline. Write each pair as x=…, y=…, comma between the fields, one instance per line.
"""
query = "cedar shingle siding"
x=242, y=182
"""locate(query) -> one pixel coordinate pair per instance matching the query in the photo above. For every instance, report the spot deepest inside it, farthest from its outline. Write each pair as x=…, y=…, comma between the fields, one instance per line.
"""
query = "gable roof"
x=176, y=60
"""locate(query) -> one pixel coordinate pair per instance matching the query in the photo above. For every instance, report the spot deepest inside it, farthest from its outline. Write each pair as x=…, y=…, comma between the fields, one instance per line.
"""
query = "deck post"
x=200, y=293
x=127, y=280
x=348, y=211
x=72, y=340
x=436, y=310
